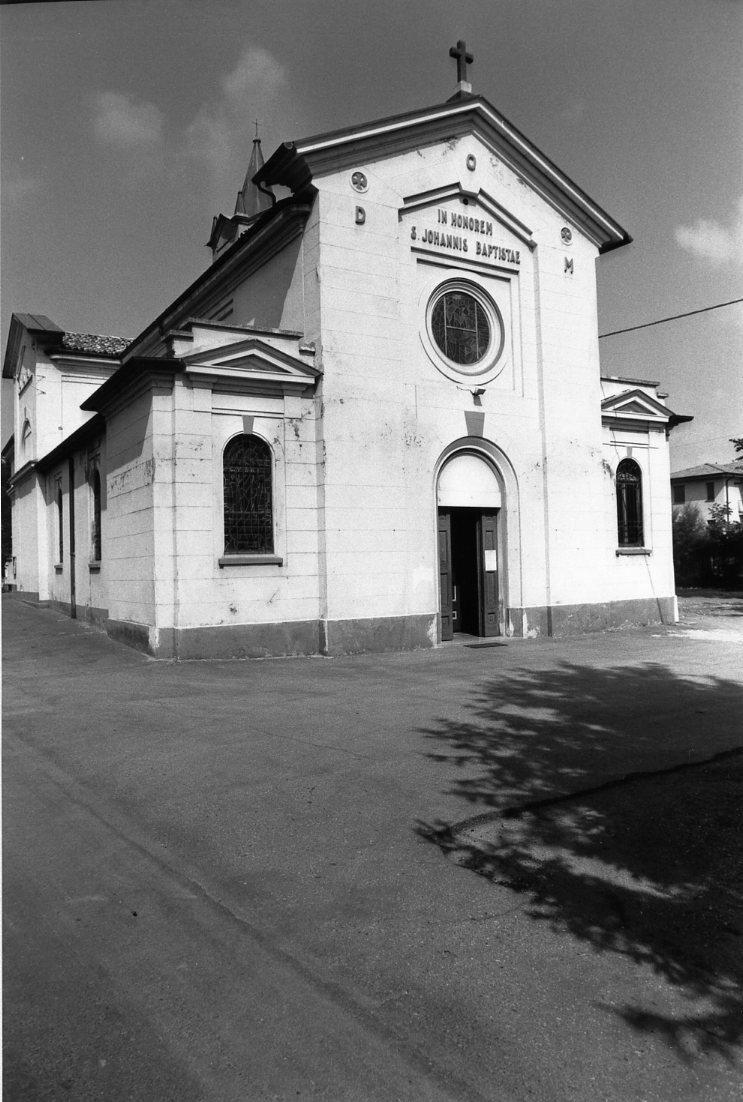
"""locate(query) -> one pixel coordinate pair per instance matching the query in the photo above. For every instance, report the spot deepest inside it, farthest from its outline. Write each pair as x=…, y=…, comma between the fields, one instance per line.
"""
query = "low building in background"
x=708, y=485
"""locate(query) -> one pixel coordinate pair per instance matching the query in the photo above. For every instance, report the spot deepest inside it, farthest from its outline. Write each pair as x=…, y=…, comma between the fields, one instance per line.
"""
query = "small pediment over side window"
x=635, y=406
x=257, y=364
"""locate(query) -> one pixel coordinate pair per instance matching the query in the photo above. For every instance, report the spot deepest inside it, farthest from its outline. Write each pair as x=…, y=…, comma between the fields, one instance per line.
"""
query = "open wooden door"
x=445, y=575
x=488, y=564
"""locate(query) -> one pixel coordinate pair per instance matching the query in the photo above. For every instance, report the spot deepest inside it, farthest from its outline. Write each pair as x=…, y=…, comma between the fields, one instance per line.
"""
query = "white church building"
x=376, y=421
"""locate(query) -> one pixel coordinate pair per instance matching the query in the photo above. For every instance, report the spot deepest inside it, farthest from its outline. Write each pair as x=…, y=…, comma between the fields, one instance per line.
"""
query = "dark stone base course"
x=295, y=638
x=134, y=635
x=93, y=615
x=378, y=634
x=89, y=613
x=333, y=638
x=563, y=620
x=58, y=606
x=30, y=596
x=299, y=638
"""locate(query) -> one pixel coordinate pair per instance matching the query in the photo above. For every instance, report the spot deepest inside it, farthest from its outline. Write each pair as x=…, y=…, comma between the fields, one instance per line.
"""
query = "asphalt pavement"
x=479, y=873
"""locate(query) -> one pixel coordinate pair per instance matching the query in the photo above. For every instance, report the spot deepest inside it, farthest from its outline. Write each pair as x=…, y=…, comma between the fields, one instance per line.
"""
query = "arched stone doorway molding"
x=478, y=546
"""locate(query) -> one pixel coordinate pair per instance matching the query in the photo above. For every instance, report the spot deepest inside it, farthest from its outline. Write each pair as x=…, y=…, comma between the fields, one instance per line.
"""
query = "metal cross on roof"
x=463, y=59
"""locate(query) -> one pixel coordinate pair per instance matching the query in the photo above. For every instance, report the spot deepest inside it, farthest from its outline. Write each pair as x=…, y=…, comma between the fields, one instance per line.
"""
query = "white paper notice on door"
x=491, y=560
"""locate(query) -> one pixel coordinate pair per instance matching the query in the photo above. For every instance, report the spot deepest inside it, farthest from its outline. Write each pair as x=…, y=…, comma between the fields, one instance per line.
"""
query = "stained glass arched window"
x=629, y=504
x=248, y=506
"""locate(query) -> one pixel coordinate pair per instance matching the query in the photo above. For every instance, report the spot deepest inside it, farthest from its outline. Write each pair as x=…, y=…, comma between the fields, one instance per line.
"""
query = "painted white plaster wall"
x=210, y=594
x=129, y=533
x=389, y=413
x=51, y=400
x=50, y=403
x=261, y=299
x=29, y=520
x=651, y=575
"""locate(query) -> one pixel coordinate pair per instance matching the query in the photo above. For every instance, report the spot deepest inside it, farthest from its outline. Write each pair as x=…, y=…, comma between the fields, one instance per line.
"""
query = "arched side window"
x=60, y=525
x=95, y=525
x=248, y=506
x=629, y=504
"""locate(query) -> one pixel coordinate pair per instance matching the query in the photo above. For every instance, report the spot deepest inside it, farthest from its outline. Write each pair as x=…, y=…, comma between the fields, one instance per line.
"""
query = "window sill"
x=634, y=551
x=94, y=567
x=251, y=560
x=58, y=567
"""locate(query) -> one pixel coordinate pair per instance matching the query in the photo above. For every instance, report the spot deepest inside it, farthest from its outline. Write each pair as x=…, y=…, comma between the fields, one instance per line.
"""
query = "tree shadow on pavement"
x=647, y=866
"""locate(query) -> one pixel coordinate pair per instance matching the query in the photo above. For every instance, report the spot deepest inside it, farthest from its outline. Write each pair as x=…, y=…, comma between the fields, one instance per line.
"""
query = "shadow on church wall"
x=648, y=867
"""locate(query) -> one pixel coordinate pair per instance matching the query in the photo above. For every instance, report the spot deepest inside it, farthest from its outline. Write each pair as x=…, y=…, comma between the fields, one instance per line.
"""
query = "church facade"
x=376, y=421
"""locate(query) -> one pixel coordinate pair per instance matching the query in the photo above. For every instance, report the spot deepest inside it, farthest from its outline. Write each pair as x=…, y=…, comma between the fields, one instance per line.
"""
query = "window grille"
x=629, y=504
x=248, y=508
x=60, y=526
x=95, y=535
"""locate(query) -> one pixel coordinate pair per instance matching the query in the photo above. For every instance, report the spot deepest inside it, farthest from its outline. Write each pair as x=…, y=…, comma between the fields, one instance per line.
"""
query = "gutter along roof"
x=295, y=164
x=130, y=373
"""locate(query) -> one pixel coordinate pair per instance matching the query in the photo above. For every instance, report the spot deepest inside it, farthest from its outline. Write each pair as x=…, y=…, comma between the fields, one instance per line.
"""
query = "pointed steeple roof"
x=250, y=199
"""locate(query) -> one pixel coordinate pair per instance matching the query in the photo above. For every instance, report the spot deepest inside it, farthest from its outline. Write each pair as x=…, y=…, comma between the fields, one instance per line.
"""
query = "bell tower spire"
x=250, y=200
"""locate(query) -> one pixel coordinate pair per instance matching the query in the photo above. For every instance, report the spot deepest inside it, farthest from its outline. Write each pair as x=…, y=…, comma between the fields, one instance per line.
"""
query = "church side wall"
x=51, y=401
x=41, y=404
x=129, y=532
x=648, y=575
x=301, y=309
x=223, y=608
x=207, y=603
x=269, y=298
x=261, y=299
x=29, y=538
x=89, y=595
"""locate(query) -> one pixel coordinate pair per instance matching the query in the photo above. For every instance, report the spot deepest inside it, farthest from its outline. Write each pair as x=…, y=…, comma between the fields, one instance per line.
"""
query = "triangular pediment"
x=633, y=404
x=297, y=164
x=252, y=360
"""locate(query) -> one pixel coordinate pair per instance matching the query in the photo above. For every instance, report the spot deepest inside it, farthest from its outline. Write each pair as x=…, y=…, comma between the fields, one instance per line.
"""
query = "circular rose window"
x=465, y=327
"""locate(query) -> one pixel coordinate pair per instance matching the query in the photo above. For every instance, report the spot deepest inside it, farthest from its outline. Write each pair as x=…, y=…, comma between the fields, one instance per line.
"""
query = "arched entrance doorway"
x=469, y=502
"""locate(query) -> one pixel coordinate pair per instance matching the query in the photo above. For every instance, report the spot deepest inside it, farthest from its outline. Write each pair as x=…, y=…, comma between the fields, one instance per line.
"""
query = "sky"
x=127, y=124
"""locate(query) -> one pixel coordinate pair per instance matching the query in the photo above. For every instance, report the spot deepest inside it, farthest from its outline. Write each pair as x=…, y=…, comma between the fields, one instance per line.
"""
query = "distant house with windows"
x=707, y=485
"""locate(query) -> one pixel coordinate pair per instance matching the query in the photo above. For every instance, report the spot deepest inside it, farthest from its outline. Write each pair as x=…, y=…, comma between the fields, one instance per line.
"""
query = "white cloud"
x=711, y=241
x=217, y=141
x=220, y=133
x=257, y=76
x=119, y=120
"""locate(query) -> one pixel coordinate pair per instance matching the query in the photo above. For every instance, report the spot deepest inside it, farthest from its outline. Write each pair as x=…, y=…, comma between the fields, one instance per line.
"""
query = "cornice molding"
x=297, y=164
